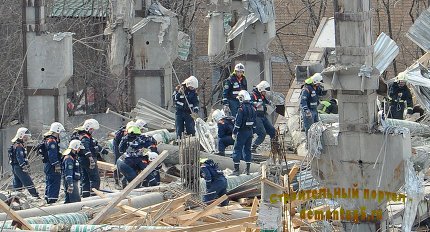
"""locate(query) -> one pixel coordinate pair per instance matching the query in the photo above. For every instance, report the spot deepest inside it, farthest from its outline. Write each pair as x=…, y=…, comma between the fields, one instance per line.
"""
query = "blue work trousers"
x=242, y=146
x=215, y=190
x=308, y=121
x=128, y=172
x=263, y=127
x=90, y=178
x=225, y=142
x=74, y=196
x=233, y=104
x=184, y=119
x=53, y=183
x=21, y=178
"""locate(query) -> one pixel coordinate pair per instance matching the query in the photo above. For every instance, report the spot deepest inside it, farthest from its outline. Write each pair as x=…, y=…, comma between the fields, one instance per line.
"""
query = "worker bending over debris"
x=18, y=159
x=119, y=134
x=399, y=97
x=186, y=101
x=153, y=179
x=71, y=171
x=87, y=157
x=49, y=148
x=309, y=100
x=225, y=130
x=232, y=85
x=243, y=132
x=216, y=183
x=328, y=107
x=262, y=124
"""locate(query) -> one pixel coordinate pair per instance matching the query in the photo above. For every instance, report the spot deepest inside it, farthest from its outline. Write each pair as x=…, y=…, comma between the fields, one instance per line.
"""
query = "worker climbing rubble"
x=309, y=100
x=216, y=183
x=71, y=171
x=243, y=132
x=186, y=101
x=262, y=124
x=328, y=107
x=87, y=157
x=49, y=148
x=399, y=97
x=18, y=160
x=225, y=130
x=232, y=86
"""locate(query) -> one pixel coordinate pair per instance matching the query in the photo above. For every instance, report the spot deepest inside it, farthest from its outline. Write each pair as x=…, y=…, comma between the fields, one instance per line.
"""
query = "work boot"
x=254, y=148
x=248, y=166
x=236, y=170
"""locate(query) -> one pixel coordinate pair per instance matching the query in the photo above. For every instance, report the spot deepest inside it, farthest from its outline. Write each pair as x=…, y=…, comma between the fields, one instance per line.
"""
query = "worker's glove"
x=25, y=168
x=308, y=113
x=194, y=115
x=92, y=163
x=400, y=94
x=410, y=111
x=234, y=136
x=226, y=110
x=57, y=168
x=70, y=188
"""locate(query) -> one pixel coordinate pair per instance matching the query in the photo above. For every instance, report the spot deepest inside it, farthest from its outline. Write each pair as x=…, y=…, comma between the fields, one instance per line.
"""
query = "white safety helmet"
x=75, y=145
x=317, y=78
x=402, y=77
x=243, y=96
x=191, y=82
x=56, y=127
x=140, y=123
x=152, y=156
x=239, y=67
x=217, y=115
x=91, y=124
x=21, y=133
x=263, y=86
x=130, y=124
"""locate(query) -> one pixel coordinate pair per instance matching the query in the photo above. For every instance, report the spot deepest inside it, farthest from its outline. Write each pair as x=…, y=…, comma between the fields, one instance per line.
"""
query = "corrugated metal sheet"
x=80, y=8
x=385, y=52
x=419, y=33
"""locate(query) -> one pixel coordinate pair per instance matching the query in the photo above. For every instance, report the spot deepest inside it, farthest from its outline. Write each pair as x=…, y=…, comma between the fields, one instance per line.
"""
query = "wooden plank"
x=215, y=211
x=229, y=229
x=253, y=211
x=12, y=214
x=206, y=211
x=268, y=182
x=293, y=172
x=106, y=166
x=139, y=178
x=216, y=225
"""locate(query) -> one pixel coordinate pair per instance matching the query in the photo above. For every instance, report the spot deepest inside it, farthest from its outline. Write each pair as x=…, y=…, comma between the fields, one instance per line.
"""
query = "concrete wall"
x=5, y=136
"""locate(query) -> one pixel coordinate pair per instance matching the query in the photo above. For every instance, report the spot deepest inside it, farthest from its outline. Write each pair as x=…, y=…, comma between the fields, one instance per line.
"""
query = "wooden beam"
x=216, y=225
x=293, y=173
x=268, y=182
x=12, y=214
x=139, y=178
x=229, y=229
x=253, y=211
x=214, y=211
x=106, y=166
x=206, y=211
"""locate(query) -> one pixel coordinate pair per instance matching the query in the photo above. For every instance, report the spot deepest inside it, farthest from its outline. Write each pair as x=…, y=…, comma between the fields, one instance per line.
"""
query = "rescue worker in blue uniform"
x=71, y=172
x=153, y=179
x=132, y=160
x=186, y=101
x=225, y=130
x=398, y=95
x=119, y=134
x=216, y=183
x=243, y=132
x=262, y=124
x=232, y=86
x=328, y=107
x=49, y=148
x=309, y=100
x=87, y=157
x=18, y=160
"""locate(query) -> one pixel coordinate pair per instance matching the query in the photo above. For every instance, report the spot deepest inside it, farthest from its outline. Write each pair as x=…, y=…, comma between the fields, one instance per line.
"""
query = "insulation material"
x=264, y=9
x=419, y=33
x=385, y=52
x=67, y=218
x=205, y=136
x=314, y=139
x=415, y=192
x=184, y=44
